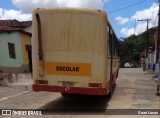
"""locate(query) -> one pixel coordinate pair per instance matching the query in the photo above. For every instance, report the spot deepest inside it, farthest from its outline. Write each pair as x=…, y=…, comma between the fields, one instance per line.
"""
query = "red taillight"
x=95, y=85
x=41, y=81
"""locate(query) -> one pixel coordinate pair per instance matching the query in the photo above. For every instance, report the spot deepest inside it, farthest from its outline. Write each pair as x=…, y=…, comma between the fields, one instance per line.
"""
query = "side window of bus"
x=117, y=48
x=110, y=41
x=113, y=46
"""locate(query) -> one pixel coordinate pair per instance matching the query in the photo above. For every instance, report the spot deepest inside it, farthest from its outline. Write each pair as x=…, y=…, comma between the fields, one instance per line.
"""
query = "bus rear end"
x=69, y=51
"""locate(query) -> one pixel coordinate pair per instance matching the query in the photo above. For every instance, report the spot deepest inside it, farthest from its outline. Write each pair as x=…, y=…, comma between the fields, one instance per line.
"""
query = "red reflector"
x=95, y=85
x=41, y=81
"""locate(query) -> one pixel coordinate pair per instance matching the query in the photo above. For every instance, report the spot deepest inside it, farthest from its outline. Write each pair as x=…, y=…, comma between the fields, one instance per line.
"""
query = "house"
x=15, y=46
x=153, y=48
x=151, y=60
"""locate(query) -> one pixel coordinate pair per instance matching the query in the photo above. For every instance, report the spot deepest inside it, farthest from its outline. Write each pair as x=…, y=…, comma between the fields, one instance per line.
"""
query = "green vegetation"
x=131, y=48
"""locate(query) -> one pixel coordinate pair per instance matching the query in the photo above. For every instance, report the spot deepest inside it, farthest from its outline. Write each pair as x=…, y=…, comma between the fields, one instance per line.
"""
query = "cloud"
x=13, y=14
x=150, y=13
x=121, y=20
x=26, y=6
x=146, y=13
x=141, y=27
x=127, y=32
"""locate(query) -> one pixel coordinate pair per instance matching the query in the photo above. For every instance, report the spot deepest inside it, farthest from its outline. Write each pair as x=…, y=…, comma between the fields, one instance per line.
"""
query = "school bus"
x=74, y=51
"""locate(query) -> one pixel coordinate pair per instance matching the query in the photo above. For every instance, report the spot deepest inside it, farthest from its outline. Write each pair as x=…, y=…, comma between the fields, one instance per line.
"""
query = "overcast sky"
x=124, y=21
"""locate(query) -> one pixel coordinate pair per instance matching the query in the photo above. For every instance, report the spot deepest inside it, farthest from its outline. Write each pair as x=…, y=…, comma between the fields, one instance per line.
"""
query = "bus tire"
x=117, y=74
x=65, y=94
x=110, y=94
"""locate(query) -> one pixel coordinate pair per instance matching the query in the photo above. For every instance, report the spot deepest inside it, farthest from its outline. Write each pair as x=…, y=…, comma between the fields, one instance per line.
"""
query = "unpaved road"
x=134, y=90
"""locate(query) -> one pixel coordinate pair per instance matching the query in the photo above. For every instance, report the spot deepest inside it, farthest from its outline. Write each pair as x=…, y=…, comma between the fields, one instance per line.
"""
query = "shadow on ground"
x=84, y=104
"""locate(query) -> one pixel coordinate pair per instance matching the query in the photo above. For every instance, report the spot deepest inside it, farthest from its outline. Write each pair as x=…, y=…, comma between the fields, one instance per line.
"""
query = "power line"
x=126, y=7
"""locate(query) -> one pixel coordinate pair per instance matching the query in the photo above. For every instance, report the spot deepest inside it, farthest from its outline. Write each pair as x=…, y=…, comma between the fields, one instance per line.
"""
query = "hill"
x=131, y=47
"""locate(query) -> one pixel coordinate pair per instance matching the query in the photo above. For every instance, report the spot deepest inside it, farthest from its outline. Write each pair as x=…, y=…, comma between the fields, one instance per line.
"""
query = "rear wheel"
x=117, y=73
x=65, y=94
x=110, y=94
x=111, y=90
x=68, y=95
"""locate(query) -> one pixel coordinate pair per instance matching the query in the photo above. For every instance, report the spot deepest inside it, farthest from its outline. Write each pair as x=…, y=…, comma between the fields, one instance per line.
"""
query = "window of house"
x=28, y=48
x=11, y=48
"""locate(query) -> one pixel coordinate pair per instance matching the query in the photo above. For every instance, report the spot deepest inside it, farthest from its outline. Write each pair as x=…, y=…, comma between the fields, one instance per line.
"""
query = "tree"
x=127, y=53
x=136, y=56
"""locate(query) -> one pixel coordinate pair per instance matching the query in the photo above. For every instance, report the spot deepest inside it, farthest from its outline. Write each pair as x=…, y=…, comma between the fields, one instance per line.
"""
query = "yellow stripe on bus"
x=70, y=69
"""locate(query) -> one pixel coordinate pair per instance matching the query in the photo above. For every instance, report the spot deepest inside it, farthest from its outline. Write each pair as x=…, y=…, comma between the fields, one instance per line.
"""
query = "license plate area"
x=68, y=84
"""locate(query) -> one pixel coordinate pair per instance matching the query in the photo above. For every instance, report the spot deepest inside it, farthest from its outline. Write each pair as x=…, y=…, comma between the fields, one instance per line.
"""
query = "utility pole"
x=147, y=36
x=157, y=51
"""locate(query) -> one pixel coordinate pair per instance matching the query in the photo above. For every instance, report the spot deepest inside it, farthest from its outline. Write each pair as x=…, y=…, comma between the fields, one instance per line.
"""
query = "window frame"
x=11, y=50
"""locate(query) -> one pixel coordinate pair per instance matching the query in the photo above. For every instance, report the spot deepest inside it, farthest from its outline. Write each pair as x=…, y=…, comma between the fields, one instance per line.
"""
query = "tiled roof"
x=9, y=29
x=15, y=23
x=3, y=28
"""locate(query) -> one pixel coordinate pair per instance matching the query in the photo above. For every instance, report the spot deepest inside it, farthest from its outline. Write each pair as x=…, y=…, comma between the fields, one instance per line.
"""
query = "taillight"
x=99, y=85
x=41, y=81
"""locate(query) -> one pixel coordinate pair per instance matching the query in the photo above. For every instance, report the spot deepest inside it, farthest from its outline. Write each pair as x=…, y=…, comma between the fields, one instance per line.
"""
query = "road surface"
x=134, y=89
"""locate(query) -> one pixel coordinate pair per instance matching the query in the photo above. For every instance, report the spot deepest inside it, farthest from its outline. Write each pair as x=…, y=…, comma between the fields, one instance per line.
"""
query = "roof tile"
x=14, y=25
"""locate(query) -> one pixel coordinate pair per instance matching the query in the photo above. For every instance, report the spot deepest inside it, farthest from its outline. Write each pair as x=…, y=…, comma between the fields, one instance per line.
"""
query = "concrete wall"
x=5, y=60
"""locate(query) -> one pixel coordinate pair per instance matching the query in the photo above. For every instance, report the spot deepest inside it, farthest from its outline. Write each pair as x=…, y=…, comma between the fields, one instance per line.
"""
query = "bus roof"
x=75, y=10
x=71, y=10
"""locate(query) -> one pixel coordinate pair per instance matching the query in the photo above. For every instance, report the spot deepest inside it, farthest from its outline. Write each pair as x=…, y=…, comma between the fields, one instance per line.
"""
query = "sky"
x=123, y=14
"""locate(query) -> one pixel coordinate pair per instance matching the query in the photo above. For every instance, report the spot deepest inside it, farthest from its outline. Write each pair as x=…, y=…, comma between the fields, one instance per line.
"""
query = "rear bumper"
x=72, y=90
